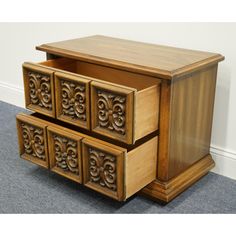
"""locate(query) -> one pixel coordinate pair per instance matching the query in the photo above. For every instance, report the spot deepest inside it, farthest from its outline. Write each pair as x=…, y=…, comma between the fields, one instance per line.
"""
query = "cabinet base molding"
x=166, y=191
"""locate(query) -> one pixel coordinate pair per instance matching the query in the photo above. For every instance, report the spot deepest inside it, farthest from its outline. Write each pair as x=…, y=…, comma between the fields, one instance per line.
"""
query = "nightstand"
x=119, y=116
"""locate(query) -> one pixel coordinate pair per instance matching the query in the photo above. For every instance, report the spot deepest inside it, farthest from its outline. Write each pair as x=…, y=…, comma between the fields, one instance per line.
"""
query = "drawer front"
x=72, y=99
x=65, y=153
x=39, y=89
x=32, y=140
x=112, y=111
x=103, y=168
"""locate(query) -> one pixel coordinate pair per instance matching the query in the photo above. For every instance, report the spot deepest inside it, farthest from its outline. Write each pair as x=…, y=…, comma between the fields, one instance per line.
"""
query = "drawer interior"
x=108, y=74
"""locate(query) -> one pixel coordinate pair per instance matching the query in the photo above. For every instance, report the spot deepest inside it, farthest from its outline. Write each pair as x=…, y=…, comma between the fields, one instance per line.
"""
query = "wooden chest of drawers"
x=119, y=116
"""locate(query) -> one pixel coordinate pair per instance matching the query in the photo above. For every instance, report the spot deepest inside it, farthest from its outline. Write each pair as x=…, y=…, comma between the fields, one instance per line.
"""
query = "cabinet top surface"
x=157, y=60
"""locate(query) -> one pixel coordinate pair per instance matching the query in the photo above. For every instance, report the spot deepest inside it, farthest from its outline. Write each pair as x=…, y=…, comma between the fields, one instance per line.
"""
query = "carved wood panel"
x=112, y=110
x=103, y=168
x=39, y=89
x=33, y=140
x=72, y=99
x=65, y=153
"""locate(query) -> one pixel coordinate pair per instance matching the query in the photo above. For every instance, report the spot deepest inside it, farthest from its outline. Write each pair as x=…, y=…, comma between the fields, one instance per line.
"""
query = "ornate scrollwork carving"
x=102, y=168
x=111, y=111
x=66, y=154
x=33, y=141
x=40, y=90
x=73, y=100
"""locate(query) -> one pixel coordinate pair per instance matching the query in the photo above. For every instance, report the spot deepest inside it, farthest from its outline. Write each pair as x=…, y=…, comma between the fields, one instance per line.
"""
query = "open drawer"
x=118, y=104
x=115, y=171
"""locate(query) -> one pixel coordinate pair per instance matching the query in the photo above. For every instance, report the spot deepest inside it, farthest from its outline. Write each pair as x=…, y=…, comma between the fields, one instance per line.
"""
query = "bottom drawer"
x=32, y=139
x=112, y=170
x=115, y=171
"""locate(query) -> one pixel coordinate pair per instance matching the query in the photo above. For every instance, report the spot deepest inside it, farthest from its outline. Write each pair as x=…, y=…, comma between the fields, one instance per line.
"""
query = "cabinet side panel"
x=191, y=119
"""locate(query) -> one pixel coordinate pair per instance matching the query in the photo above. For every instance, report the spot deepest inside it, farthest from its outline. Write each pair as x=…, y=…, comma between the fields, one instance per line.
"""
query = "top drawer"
x=118, y=104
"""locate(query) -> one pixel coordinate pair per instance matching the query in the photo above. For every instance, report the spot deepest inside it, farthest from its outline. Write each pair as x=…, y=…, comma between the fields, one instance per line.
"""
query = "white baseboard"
x=12, y=94
x=225, y=160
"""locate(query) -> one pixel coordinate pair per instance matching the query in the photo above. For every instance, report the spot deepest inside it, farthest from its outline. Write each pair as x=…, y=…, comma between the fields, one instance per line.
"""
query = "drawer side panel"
x=140, y=166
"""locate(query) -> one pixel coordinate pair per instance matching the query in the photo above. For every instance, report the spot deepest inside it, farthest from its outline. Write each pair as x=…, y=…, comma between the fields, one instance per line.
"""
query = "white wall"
x=18, y=41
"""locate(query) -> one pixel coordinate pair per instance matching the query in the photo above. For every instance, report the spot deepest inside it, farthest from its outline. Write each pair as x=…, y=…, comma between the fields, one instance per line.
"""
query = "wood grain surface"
x=186, y=122
x=162, y=61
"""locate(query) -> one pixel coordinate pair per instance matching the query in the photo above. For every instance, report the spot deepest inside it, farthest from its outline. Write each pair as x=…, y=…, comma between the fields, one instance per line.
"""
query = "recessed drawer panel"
x=103, y=168
x=39, y=89
x=32, y=139
x=65, y=153
x=112, y=111
x=115, y=171
x=72, y=99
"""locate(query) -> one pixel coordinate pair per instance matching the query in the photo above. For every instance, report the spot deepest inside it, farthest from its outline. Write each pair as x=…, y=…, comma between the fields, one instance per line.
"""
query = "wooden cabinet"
x=120, y=116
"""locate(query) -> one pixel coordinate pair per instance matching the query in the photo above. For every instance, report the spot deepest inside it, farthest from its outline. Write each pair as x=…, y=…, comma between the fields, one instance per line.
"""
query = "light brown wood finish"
x=140, y=166
x=124, y=113
x=107, y=168
x=112, y=111
x=72, y=99
x=186, y=129
x=167, y=190
x=155, y=90
x=65, y=152
x=115, y=76
x=113, y=171
x=161, y=61
x=32, y=139
x=164, y=129
x=39, y=89
x=103, y=168
x=120, y=100
x=191, y=120
x=146, y=109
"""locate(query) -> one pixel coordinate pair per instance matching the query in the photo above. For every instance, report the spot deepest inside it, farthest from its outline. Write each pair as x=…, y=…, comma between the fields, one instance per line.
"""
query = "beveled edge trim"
x=164, y=74
x=119, y=154
x=76, y=137
x=77, y=78
x=41, y=69
x=130, y=107
x=21, y=117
